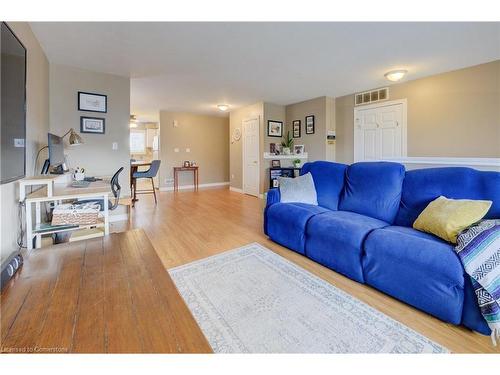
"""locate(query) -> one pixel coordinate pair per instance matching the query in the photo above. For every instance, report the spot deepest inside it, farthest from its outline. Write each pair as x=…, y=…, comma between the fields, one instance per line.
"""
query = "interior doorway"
x=251, y=164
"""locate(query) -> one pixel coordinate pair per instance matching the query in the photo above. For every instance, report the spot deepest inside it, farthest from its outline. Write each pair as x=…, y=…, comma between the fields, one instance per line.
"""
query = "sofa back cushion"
x=373, y=189
x=422, y=186
x=328, y=179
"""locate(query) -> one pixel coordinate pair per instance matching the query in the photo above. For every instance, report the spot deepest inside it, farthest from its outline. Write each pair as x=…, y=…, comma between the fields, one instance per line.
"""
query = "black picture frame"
x=83, y=109
x=309, y=124
x=23, y=174
x=84, y=130
x=275, y=163
x=296, y=132
x=275, y=134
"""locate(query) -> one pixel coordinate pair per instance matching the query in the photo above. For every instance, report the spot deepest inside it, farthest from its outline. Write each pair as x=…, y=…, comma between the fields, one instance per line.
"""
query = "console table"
x=182, y=169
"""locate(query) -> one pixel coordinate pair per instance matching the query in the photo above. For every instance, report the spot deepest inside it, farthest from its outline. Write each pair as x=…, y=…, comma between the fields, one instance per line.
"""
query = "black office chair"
x=116, y=190
x=150, y=173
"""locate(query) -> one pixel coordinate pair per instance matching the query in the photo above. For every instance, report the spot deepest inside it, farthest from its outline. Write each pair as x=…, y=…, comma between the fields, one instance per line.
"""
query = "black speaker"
x=10, y=267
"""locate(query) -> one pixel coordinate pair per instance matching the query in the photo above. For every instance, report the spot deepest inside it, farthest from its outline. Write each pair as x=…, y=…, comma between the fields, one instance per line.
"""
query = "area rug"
x=251, y=300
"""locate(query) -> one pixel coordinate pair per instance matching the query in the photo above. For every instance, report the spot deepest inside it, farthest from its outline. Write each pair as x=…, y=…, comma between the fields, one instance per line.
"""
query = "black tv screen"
x=13, y=106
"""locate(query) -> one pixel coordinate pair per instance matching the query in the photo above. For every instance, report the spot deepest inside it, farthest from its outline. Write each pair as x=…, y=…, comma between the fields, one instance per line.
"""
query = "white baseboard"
x=236, y=190
x=122, y=217
x=190, y=187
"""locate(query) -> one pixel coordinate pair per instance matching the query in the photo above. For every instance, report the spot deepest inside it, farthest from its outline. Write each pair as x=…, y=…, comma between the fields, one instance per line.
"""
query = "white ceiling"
x=194, y=66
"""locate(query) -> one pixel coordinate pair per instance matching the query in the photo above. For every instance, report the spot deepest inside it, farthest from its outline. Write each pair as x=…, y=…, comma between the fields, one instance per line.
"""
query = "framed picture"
x=275, y=164
x=272, y=148
x=296, y=128
x=298, y=149
x=310, y=124
x=274, y=128
x=186, y=164
x=90, y=102
x=95, y=125
x=276, y=183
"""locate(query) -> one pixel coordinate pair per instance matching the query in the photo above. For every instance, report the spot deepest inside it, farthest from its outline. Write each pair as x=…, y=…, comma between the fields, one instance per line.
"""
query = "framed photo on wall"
x=298, y=149
x=274, y=128
x=310, y=124
x=296, y=128
x=95, y=125
x=90, y=102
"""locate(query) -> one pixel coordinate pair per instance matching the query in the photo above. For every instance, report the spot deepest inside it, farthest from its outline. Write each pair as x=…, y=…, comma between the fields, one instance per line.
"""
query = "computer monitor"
x=56, y=150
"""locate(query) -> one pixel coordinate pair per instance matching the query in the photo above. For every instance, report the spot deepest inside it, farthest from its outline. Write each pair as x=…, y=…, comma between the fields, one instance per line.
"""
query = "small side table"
x=182, y=169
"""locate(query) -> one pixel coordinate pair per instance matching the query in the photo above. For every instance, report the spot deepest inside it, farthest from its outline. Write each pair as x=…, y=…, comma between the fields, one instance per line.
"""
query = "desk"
x=181, y=169
x=105, y=295
x=58, y=193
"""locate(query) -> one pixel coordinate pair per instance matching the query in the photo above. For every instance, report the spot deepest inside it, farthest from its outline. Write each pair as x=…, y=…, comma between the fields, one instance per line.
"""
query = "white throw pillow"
x=298, y=190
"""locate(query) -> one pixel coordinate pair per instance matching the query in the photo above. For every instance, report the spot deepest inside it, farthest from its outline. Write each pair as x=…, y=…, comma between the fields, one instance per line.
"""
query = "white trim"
x=186, y=187
x=404, y=125
x=243, y=151
x=122, y=217
x=491, y=164
x=236, y=190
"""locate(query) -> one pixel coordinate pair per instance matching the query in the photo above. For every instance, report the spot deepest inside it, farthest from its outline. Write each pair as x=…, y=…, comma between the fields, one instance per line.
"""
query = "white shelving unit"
x=269, y=156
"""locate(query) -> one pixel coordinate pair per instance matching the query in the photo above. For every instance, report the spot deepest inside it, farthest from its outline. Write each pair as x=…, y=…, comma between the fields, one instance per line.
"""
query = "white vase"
x=286, y=150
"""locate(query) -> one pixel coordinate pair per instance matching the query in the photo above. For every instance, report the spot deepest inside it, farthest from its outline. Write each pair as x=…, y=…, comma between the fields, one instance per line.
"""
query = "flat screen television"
x=12, y=107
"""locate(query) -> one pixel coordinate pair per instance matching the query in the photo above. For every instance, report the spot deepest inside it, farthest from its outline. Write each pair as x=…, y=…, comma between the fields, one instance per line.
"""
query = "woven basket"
x=75, y=214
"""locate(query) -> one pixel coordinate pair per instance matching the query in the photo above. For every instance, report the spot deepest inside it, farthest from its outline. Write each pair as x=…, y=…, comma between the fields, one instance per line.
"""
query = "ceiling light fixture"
x=395, y=75
x=133, y=121
x=223, y=107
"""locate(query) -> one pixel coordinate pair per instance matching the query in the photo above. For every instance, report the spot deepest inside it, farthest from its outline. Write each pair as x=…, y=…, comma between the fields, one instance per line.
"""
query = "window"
x=137, y=141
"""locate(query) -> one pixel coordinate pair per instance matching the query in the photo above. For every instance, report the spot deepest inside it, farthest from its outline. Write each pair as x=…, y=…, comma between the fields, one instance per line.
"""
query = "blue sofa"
x=362, y=228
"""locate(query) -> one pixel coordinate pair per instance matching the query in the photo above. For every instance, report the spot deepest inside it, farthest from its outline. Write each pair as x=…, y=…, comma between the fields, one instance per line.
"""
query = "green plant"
x=288, y=141
x=296, y=161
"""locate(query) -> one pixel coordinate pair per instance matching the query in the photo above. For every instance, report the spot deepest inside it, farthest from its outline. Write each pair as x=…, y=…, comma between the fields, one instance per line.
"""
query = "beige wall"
x=236, y=118
x=96, y=154
x=205, y=136
x=322, y=110
x=37, y=125
x=455, y=114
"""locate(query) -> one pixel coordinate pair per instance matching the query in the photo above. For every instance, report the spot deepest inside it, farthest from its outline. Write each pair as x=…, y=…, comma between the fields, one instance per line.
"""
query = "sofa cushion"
x=417, y=268
x=421, y=186
x=373, y=189
x=298, y=190
x=335, y=240
x=328, y=179
x=286, y=223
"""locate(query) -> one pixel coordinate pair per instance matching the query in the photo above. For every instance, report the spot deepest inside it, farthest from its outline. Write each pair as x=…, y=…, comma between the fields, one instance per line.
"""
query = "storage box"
x=75, y=214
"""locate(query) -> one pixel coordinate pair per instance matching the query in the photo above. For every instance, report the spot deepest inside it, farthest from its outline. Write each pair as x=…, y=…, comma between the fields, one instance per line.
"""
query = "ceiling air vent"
x=372, y=96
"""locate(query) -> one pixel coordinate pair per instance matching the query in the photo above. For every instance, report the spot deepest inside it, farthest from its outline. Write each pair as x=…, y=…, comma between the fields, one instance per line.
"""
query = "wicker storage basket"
x=75, y=214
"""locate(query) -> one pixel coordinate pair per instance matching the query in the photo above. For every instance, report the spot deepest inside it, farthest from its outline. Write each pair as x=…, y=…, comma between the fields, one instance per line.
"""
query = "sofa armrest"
x=273, y=196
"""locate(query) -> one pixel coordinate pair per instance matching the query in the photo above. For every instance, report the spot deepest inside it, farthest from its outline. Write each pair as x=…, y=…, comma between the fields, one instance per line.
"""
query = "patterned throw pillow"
x=298, y=190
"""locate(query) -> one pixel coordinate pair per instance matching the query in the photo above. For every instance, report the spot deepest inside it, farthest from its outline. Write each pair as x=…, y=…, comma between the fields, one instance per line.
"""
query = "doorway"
x=251, y=156
x=380, y=131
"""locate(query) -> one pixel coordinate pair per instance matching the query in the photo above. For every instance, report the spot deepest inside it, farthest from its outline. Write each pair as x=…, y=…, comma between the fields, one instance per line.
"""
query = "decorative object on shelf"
x=79, y=174
x=193, y=164
x=236, y=135
x=298, y=149
x=186, y=164
x=296, y=162
x=91, y=102
x=272, y=148
x=274, y=128
x=310, y=124
x=95, y=125
x=287, y=144
x=275, y=163
x=296, y=128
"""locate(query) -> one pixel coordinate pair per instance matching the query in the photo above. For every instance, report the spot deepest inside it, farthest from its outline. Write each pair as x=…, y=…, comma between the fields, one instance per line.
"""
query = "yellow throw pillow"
x=446, y=218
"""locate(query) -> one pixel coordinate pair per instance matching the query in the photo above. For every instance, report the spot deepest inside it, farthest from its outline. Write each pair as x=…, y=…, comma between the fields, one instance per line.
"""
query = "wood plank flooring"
x=186, y=226
x=105, y=295
x=183, y=227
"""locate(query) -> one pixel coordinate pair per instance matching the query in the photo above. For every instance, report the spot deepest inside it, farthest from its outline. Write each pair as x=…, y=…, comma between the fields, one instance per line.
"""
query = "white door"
x=250, y=135
x=380, y=131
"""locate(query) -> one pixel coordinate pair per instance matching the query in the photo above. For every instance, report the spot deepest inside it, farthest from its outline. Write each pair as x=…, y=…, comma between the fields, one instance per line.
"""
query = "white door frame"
x=243, y=153
x=404, y=103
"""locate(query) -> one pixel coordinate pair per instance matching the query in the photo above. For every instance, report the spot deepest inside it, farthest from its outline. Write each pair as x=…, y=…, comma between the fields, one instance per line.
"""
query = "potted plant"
x=287, y=144
x=296, y=163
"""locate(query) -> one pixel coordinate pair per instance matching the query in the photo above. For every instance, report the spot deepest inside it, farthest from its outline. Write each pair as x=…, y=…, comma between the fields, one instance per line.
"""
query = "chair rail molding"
x=485, y=164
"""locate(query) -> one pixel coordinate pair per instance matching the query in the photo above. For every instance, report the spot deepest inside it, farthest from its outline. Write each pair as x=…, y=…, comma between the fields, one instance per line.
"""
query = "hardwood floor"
x=187, y=226
x=104, y=295
x=48, y=309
